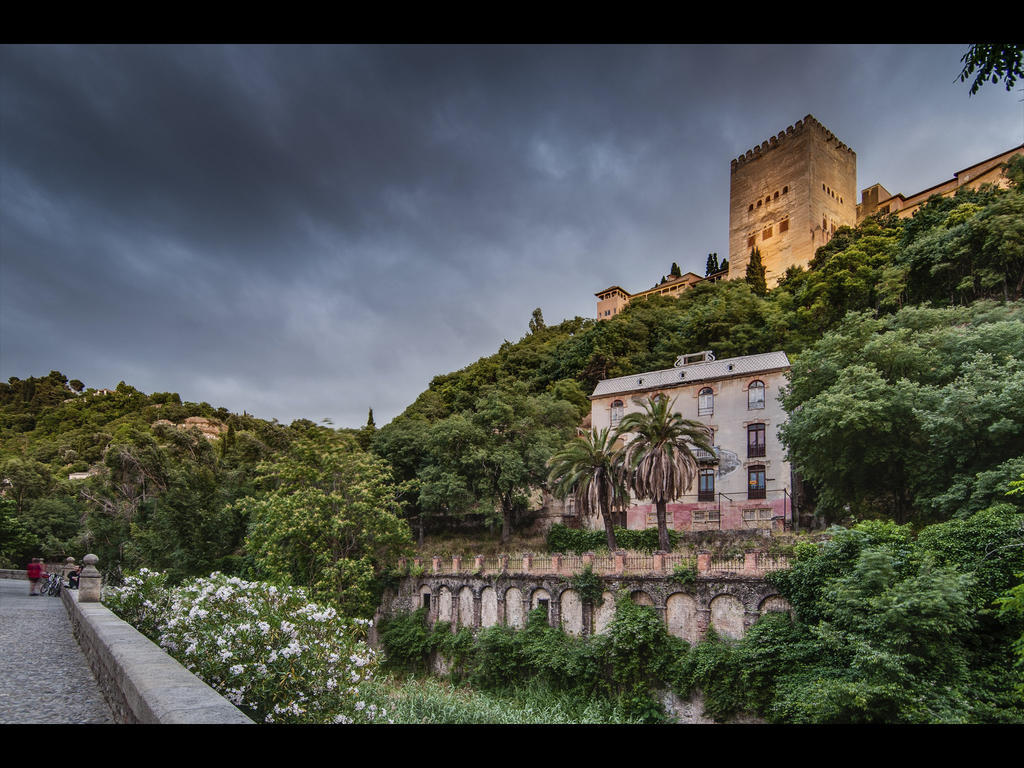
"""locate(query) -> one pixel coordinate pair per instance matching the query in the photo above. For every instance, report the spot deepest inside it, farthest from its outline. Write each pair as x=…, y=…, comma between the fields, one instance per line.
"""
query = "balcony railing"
x=705, y=495
x=756, y=493
x=705, y=456
x=755, y=451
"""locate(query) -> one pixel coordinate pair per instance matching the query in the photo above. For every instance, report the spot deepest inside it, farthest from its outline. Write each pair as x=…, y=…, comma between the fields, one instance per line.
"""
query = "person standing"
x=35, y=570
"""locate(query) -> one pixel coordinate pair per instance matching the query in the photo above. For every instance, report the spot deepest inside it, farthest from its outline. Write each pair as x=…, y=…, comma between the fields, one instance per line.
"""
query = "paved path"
x=44, y=677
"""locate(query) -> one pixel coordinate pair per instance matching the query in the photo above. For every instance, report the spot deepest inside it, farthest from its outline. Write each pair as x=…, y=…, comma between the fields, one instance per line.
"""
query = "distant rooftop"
x=686, y=373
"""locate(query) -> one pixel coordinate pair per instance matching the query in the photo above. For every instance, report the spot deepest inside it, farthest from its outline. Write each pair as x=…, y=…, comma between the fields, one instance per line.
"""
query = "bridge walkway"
x=44, y=676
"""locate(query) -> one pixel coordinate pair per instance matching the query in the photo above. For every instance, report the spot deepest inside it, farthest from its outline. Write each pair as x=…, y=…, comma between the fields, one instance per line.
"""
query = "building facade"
x=876, y=199
x=746, y=484
x=614, y=299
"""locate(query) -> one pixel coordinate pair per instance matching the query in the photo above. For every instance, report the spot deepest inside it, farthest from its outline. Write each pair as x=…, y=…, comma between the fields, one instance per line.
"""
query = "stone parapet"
x=142, y=684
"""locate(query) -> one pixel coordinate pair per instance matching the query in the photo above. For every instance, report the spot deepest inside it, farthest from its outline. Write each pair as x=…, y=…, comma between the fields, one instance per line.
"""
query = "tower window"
x=783, y=226
x=767, y=233
x=758, y=203
x=751, y=207
x=776, y=194
x=785, y=190
x=751, y=241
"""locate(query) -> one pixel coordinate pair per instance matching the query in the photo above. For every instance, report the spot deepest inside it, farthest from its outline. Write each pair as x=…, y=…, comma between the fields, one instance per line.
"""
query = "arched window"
x=785, y=190
x=755, y=396
x=616, y=413
x=705, y=402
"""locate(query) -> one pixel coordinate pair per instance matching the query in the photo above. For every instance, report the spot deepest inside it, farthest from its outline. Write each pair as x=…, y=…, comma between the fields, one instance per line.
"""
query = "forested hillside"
x=163, y=494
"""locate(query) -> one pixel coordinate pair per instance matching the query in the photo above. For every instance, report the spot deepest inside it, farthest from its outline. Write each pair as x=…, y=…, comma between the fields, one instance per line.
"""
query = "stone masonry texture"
x=44, y=676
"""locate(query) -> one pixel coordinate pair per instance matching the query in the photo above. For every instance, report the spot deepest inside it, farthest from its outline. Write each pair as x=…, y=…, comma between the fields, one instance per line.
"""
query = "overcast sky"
x=308, y=232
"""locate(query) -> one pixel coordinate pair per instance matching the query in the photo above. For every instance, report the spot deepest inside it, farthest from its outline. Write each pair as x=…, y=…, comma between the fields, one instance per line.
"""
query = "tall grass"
x=413, y=700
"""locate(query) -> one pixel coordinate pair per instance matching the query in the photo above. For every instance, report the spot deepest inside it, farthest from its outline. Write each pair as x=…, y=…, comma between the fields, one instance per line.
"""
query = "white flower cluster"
x=268, y=649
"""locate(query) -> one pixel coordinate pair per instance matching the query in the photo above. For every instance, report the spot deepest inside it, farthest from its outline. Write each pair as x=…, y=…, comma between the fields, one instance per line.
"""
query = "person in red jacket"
x=35, y=570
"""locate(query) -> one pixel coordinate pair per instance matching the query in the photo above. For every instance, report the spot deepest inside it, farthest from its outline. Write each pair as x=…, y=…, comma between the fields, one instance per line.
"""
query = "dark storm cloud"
x=310, y=231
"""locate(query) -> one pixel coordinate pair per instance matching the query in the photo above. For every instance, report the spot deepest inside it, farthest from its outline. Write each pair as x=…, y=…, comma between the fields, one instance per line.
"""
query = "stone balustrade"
x=751, y=564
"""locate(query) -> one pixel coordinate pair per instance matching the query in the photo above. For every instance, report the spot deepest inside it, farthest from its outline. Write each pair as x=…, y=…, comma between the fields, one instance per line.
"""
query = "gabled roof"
x=688, y=374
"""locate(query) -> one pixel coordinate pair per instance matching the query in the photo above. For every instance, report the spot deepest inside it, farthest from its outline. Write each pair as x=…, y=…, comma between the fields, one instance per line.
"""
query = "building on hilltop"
x=788, y=196
x=747, y=483
x=613, y=299
x=876, y=199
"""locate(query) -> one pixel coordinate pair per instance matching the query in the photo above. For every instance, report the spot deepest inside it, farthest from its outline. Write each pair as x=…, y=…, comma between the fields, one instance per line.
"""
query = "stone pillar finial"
x=90, y=583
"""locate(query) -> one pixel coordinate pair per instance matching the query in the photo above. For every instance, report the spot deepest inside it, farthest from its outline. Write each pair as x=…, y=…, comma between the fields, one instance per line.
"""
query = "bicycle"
x=53, y=585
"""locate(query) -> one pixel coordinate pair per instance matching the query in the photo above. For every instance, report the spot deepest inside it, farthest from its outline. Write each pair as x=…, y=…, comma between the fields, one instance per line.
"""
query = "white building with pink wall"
x=747, y=483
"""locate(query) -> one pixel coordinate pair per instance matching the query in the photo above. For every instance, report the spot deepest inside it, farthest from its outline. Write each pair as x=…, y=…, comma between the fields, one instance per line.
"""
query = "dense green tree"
x=25, y=479
x=886, y=629
x=658, y=459
x=889, y=414
x=364, y=437
x=328, y=521
x=537, y=321
x=516, y=434
x=18, y=544
x=712, y=265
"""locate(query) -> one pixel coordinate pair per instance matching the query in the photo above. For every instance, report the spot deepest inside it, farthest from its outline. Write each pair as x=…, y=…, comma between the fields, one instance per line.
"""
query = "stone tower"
x=788, y=196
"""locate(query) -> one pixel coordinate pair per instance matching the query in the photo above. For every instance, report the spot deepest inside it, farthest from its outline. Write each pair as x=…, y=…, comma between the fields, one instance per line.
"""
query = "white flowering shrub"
x=268, y=650
x=142, y=601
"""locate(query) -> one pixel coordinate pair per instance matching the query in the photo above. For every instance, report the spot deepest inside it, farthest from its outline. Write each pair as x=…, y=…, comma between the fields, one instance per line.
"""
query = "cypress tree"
x=712, y=265
x=756, y=273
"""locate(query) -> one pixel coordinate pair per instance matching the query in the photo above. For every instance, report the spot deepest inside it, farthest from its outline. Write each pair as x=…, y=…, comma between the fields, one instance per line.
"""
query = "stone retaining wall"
x=731, y=603
x=141, y=683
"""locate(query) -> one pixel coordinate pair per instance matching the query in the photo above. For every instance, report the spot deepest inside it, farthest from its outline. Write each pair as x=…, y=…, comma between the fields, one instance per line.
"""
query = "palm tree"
x=658, y=462
x=587, y=469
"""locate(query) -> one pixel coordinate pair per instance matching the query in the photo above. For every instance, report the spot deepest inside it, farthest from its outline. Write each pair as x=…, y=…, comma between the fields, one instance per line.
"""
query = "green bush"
x=624, y=666
x=567, y=540
x=685, y=574
x=407, y=640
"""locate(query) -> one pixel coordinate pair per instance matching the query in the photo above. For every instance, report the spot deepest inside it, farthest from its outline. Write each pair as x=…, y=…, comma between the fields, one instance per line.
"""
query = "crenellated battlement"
x=808, y=123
